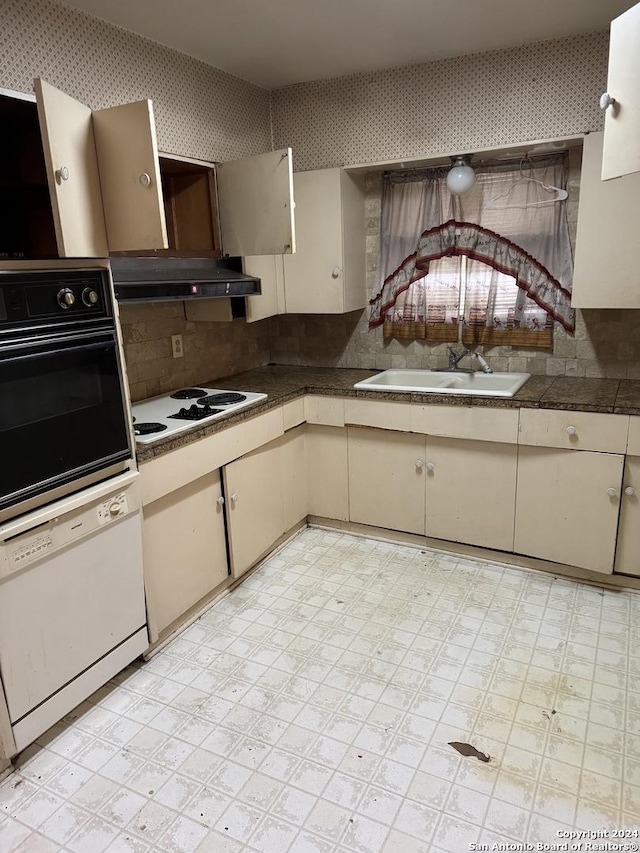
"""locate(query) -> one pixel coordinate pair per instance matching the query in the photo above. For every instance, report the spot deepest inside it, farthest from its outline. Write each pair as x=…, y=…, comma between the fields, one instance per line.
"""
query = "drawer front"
x=381, y=414
x=574, y=430
x=633, y=446
x=175, y=469
x=470, y=422
x=324, y=411
x=293, y=413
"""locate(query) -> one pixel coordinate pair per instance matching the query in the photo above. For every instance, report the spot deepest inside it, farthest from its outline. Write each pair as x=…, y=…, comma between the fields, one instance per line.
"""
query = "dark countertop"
x=283, y=383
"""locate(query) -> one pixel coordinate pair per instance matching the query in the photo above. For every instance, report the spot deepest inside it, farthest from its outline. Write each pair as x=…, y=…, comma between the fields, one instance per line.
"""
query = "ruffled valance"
x=480, y=244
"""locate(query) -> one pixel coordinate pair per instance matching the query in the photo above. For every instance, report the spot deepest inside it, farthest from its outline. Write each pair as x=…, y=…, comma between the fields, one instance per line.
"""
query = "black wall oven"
x=63, y=410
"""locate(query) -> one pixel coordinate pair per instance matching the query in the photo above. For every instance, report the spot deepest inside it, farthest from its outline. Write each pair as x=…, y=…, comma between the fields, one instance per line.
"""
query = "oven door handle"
x=58, y=346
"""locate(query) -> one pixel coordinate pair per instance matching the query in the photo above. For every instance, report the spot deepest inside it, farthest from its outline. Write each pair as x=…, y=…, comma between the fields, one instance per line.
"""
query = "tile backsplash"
x=211, y=350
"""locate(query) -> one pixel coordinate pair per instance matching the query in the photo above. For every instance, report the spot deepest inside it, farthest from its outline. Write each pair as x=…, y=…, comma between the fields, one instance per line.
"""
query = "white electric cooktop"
x=183, y=409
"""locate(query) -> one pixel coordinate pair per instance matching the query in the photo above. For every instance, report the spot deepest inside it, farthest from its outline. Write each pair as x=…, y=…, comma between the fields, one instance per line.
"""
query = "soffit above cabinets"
x=501, y=152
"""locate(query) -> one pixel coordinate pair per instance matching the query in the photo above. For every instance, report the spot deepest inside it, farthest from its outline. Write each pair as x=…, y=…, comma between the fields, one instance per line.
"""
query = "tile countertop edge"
x=283, y=384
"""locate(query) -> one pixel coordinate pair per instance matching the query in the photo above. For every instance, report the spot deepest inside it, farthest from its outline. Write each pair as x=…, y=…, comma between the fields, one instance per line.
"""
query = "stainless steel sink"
x=446, y=382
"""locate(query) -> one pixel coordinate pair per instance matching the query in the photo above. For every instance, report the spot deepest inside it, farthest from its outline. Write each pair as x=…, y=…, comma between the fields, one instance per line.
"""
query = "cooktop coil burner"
x=188, y=394
x=222, y=398
x=195, y=413
x=148, y=428
x=202, y=405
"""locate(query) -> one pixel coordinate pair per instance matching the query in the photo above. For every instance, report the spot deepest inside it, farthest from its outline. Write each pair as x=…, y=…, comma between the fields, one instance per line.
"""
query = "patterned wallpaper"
x=200, y=111
x=535, y=91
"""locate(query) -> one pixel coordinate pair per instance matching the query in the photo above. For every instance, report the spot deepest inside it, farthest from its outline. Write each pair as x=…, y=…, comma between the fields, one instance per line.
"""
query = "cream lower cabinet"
x=628, y=550
x=265, y=496
x=387, y=479
x=327, y=471
x=185, y=555
x=567, y=506
x=471, y=490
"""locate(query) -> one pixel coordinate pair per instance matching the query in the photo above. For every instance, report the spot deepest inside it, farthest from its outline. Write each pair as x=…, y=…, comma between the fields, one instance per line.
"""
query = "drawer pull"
x=571, y=430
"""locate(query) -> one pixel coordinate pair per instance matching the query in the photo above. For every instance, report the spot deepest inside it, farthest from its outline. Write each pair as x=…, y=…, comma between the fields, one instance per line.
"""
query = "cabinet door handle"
x=145, y=179
x=613, y=493
x=220, y=501
x=430, y=467
x=419, y=464
x=234, y=498
x=571, y=430
x=630, y=491
x=335, y=272
x=62, y=174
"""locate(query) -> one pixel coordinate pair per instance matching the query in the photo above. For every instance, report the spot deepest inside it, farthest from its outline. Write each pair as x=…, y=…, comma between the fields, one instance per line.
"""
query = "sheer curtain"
x=515, y=241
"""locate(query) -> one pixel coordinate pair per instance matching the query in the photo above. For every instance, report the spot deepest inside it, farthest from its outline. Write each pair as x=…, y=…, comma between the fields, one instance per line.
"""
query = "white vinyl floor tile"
x=312, y=710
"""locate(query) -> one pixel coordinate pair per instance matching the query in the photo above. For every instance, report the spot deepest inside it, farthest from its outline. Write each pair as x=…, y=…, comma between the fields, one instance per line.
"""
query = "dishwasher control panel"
x=59, y=530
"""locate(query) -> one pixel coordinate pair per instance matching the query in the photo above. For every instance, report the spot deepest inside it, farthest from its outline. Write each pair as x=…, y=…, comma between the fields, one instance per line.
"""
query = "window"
x=498, y=259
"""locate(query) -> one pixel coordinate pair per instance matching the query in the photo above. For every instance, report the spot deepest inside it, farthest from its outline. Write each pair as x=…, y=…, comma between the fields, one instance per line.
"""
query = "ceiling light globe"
x=461, y=176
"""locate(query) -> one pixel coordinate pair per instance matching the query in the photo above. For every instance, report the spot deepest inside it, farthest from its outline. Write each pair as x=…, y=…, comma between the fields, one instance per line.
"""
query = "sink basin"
x=445, y=382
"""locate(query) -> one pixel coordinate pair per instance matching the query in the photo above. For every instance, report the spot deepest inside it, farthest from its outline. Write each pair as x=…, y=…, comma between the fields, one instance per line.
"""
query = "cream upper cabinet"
x=72, y=172
x=255, y=196
x=103, y=175
x=605, y=270
x=621, y=154
x=327, y=273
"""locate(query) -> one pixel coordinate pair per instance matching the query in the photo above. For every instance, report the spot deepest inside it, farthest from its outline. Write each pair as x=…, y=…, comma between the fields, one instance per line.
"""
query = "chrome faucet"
x=456, y=357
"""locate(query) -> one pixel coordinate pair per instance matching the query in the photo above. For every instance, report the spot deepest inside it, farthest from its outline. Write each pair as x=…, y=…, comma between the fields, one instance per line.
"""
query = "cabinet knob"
x=220, y=501
x=62, y=174
x=571, y=430
x=430, y=467
x=612, y=493
x=419, y=464
x=630, y=491
x=335, y=272
x=234, y=498
x=145, y=179
x=606, y=101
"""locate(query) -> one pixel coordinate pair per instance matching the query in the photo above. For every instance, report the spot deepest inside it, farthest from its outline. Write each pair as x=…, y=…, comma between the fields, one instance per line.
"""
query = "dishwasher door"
x=72, y=618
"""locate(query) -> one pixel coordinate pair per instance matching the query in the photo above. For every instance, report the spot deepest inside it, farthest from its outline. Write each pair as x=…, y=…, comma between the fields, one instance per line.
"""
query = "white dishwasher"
x=72, y=607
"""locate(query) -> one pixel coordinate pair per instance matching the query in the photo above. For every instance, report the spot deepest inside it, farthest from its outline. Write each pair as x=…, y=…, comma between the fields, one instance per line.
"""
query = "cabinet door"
x=387, y=479
x=327, y=471
x=270, y=270
x=564, y=512
x=255, y=197
x=294, y=476
x=185, y=555
x=471, y=491
x=314, y=276
x=605, y=270
x=628, y=551
x=127, y=150
x=72, y=173
x=255, y=509
x=622, y=120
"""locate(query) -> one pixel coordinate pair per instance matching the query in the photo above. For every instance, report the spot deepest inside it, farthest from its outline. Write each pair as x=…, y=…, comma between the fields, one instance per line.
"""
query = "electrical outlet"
x=176, y=346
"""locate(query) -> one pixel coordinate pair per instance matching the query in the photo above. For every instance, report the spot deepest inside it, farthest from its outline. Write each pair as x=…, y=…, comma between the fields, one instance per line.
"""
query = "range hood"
x=157, y=279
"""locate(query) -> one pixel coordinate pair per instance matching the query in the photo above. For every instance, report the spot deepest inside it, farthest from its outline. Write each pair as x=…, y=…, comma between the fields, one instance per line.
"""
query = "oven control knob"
x=89, y=296
x=66, y=297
